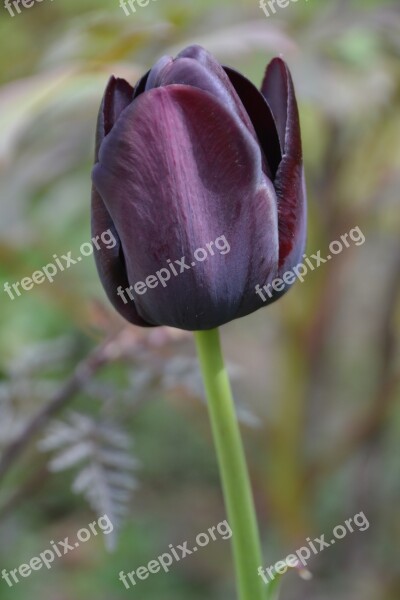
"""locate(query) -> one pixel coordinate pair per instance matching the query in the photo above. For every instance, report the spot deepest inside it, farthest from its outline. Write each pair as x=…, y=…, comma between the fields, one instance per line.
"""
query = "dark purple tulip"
x=191, y=154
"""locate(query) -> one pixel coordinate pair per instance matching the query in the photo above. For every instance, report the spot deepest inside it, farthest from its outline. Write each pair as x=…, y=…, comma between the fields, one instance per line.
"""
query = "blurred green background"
x=316, y=376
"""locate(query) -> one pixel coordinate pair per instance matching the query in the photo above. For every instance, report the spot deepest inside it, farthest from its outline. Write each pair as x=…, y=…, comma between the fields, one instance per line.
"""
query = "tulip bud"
x=199, y=173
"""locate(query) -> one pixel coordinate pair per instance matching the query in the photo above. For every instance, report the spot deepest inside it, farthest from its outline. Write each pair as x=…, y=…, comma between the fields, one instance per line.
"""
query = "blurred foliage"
x=316, y=374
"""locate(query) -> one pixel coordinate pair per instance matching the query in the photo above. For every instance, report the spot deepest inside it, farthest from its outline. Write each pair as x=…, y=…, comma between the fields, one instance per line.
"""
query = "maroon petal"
x=157, y=71
x=110, y=261
x=261, y=117
x=140, y=87
x=289, y=183
x=117, y=96
x=196, y=67
x=176, y=172
x=212, y=66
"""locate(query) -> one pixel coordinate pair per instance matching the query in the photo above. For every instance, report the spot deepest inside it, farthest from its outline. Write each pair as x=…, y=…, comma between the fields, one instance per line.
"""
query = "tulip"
x=193, y=153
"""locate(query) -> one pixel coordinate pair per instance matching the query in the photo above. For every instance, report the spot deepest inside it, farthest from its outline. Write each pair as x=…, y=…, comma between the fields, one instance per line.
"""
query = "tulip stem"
x=233, y=469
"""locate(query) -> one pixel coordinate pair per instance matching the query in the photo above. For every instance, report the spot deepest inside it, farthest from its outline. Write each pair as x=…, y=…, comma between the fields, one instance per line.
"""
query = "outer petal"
x=175, y=173
x=289, y=183
x=117, y=96
x=110, y=262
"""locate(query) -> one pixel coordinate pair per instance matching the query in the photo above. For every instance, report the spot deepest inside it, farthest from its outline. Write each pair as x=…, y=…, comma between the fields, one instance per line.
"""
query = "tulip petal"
x=196, y=67
x=207, y=61
x=117, y=96
x=140, y=85
x=156, y=72
x=177, y=172
x=261, y=117
x=110, y=261
x=289, y=183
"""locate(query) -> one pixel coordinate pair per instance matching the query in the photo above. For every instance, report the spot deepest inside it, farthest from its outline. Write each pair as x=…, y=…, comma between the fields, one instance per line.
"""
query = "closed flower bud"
x=199, y=177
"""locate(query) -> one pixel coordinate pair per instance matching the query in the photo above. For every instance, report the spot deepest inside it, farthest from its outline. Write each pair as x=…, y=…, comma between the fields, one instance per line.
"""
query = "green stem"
x=232, y=464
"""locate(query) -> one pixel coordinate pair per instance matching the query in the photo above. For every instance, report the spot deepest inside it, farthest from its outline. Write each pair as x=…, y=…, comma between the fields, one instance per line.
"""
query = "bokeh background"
x=99, y=417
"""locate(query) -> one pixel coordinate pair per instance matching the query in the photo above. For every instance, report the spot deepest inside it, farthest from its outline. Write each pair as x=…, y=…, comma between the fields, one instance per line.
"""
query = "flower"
x=195, y=153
